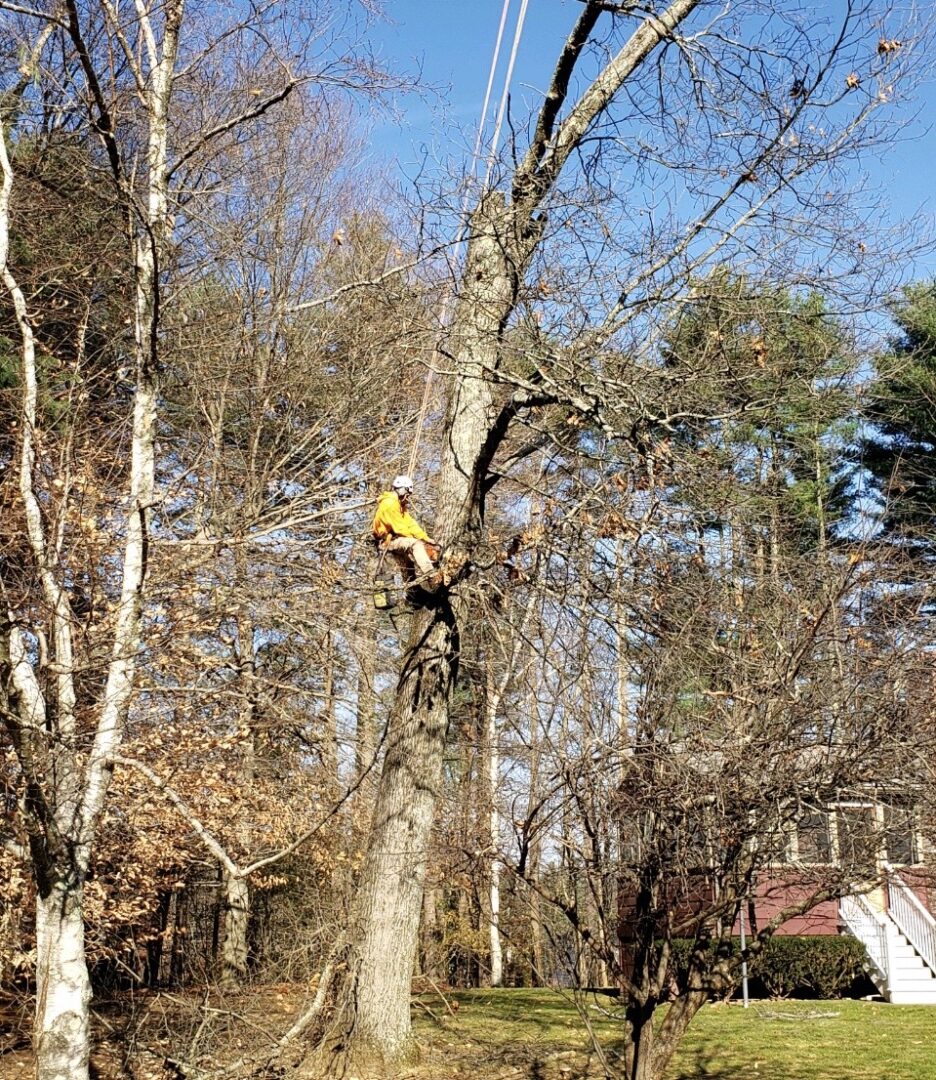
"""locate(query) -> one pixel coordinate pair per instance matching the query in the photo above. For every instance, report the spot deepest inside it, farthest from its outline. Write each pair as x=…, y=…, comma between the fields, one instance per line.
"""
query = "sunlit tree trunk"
x=64, y=989
x=235, y=889
x=67, y=789
x=390, y=897
x=503, y=237
x=492, y=698
x=236, y=913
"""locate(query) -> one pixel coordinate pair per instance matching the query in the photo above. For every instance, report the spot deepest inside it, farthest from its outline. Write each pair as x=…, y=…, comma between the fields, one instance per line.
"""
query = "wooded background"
x=675, y=407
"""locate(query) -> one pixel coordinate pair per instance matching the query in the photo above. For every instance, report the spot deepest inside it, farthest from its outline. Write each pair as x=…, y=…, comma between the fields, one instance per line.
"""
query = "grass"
x=792, y=1041
x=520, y=1033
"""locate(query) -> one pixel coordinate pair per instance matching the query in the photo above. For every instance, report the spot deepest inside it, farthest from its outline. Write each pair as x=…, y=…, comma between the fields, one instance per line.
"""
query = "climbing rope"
x=505, y=93
x=446, y=311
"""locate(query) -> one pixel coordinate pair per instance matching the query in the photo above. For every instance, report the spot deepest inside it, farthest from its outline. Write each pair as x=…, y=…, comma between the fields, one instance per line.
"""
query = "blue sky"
x=451, y=42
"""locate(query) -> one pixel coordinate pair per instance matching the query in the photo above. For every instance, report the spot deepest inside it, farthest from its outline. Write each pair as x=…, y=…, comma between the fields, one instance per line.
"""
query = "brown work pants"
x=410, y=552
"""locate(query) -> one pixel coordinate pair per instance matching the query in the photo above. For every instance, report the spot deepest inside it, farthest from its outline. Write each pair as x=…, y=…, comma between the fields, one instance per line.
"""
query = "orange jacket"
x=392, y=520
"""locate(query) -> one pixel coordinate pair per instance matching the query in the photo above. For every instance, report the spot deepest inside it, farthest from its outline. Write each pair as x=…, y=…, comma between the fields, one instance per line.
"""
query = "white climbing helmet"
x=402, y=483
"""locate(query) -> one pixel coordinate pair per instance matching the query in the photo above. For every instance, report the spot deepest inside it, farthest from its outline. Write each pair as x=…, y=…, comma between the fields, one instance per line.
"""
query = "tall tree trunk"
x=390, y=896
x=502, y=241
x=429, y=954
x=488, y=791
x=365, y=743
x=177, y=949
x=63, y=989
x=78, y=792
x=330, y=717
x=495, y=689
x=535, y=904
x=152, y=975
x=235, y=889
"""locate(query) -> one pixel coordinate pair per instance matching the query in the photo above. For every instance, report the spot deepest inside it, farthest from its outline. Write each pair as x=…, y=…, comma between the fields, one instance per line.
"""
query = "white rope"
x=487, y=101
x=505, y=95
x=446, y=312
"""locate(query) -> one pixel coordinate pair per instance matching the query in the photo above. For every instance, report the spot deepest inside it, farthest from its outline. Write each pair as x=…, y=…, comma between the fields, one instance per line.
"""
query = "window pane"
x=898, y=836
x=856, y=836
x=813, y=840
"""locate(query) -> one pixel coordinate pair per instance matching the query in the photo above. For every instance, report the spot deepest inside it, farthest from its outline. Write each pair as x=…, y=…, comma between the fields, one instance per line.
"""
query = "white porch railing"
x=915, y=922
x=872, y=929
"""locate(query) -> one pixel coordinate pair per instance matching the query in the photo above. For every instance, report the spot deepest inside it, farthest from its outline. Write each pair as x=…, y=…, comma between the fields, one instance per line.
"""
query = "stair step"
x=911, y=980
x=903, y=949
x=912, y=997
x=910, y=963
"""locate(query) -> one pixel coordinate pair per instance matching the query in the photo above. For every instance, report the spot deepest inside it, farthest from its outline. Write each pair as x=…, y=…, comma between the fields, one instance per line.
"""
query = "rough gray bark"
x=235, y=889
x=501, y=242
x=236, y=909
x=395, y=862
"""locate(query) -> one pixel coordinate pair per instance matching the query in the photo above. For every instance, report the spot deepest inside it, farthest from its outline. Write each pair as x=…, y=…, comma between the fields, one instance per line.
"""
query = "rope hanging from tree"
x=446, y=312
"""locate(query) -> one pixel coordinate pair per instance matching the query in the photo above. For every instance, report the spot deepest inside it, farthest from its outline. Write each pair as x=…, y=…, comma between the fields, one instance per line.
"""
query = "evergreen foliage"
x=902, y=408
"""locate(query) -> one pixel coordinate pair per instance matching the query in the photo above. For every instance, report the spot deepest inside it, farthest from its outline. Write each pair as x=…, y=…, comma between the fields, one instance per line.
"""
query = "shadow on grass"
x=539, y=1013
x=702, y=1064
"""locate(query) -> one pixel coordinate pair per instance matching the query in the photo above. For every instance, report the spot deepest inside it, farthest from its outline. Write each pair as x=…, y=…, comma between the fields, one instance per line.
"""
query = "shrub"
x=819, y=966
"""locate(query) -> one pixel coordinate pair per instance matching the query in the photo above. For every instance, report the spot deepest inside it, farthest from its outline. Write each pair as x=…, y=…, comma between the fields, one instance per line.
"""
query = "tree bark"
x=63, y=989
x=68, y=797
x=429, y=957
x=502, y=241
x=235, y=889
x=395, y=862
x=675, y=1023
x=365, y=743
x=390, y=896
x=236, y=901
x=638, y=1055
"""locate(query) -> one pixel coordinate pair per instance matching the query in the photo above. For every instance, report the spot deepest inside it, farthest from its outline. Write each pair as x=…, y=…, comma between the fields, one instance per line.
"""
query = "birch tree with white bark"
x=149, y=93
x=67, y=774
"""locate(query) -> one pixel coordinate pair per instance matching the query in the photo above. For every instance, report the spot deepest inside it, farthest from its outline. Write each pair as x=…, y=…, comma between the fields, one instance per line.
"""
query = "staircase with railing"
x=900, y=942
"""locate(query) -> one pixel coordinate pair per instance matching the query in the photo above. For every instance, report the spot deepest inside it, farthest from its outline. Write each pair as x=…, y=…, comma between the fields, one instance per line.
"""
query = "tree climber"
x=397, y=531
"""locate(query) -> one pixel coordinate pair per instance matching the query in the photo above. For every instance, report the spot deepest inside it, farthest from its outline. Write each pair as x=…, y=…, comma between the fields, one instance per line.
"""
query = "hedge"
x=820, y=967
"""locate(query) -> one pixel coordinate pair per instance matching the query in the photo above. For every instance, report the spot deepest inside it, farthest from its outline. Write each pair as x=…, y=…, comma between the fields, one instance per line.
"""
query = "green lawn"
x=791, y=1041
x=499, y=1033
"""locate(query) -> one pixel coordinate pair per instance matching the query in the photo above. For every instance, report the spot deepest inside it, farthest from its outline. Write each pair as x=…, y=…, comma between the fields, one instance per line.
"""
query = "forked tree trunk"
x=63, y=989
x=390, y=896
x=502, y=241
x=73, y=793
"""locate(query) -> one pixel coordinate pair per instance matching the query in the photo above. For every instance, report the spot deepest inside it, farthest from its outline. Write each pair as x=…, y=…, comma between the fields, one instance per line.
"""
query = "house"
x=893, y=919
x=890, y=911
